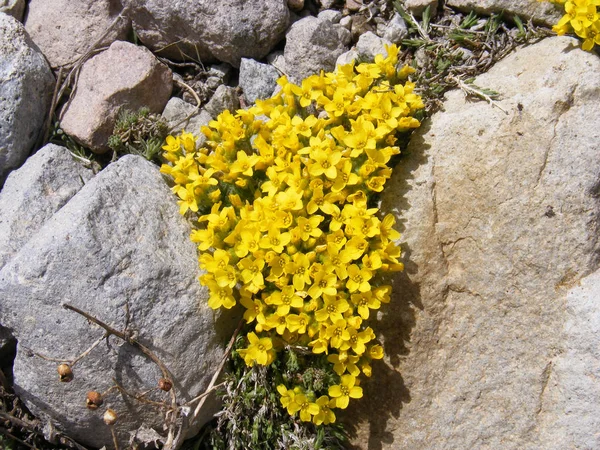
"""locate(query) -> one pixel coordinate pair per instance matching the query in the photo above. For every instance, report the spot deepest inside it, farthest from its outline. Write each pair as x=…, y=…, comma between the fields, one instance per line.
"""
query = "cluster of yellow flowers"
x=282, y=194
x=582, y=17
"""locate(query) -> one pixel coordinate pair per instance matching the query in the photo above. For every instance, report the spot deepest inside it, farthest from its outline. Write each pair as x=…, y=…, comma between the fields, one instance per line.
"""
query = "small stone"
x=312, y=45
x=360, y=26
x=176, y=114
x=124, y=76
x=225, y=97
x=346, y=22
x=346, y=58
x=327, y=4
x=277, y=60
x=370, y=45
x=331, y=15
x=353, y=5
x=395, y=30
x=257, y=80
x=416, y=7
x=295, y=5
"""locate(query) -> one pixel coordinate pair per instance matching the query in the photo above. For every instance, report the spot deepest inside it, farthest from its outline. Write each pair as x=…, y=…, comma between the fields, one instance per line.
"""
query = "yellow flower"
x=365, y=301
x=260, y=351
x=324, y=283
x=220, y=296
x=332, y=310
x=343, y=362
x=344, y=391
x=358, y=279
x=305, y=406
x=244, y=164
x=325, y=415
x=284, y=300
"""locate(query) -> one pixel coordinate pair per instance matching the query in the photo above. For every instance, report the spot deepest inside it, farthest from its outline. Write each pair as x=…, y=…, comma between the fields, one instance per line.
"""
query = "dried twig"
x=140, y=397
x=13, y=437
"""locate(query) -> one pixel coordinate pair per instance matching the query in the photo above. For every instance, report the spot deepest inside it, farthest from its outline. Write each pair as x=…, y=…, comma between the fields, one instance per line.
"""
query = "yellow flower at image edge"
x=260, y=350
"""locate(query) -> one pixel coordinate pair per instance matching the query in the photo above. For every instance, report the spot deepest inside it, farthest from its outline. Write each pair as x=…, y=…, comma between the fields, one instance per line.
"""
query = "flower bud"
x=94, y=400
x=65, y=374
x=110, y=417
x=165, y=385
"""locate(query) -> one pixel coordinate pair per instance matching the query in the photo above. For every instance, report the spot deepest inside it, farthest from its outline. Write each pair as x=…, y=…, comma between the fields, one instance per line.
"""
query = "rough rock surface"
x=14, y=8
x=124, y=76
x=257, y=80
x=65, y=29
x=34, y=192
x=500, y=218
x=226, y=30
x=570, y=410
x=26, y=84
x=119, y=242
x=313, y=44
x=541, y=12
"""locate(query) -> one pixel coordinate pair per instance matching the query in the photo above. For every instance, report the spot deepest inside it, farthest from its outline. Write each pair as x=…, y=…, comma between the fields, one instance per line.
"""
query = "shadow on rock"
x=385, y=393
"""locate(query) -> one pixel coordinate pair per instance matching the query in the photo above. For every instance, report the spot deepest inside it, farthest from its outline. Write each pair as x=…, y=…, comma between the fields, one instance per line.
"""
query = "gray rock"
x=225, y=97
x=257, y=80
x=14, y=8
x=26, y=84
x=369, y=45
x=346, y=58
x=124, y=76
x=544, y=13
x=34, y=192
x=226, y=30
x=500, y=219
x=395, y=30
x=570, y=403
x=176, y=113
x=346, y=22
x=119, y=244
x=417, y=7
x=331, y=15
x=65, y=29
x=277, y=60
x=312, y=45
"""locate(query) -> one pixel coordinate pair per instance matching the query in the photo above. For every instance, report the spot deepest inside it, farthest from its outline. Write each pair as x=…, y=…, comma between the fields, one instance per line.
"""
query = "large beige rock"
x=544, y=13
x=65, y=29
x=499, y=215
x=124, y=76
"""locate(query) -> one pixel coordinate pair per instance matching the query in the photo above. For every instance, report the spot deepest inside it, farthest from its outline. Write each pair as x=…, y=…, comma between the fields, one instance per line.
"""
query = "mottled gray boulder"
x=225, y=97
x=312, y=45
x=119, y=250
x=176, y=113
x=14, y=8
x=124, y=76
x=207, y=30
x=65, y=29
x=34, y=192
x=257, y=80
x=544, y=13
x=487, y=344
x=26, y=84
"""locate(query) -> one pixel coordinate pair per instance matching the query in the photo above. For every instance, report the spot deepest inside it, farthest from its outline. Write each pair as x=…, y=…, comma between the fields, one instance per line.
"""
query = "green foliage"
x=138, y=133
x=252, y=415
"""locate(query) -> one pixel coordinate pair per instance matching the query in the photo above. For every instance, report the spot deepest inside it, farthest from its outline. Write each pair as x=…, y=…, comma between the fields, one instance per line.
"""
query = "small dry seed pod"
x=110, y=417
x=65, y=374
x=94, y=400
x=165, y=385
